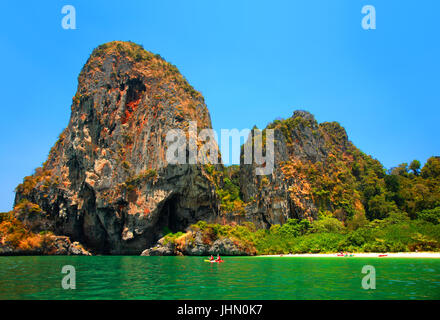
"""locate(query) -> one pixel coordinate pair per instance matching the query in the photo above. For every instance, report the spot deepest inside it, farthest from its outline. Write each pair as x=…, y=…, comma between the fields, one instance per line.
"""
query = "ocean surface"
x=132, y=277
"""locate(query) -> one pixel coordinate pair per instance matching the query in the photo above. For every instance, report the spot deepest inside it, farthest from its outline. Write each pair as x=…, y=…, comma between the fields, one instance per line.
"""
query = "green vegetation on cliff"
x=227, y=187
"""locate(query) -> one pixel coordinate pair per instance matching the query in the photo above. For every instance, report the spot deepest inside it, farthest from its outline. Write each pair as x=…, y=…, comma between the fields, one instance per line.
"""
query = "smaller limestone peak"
x=303, y=114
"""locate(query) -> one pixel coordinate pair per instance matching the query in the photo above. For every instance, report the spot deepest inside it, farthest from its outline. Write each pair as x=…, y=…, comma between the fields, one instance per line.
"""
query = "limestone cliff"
x=106, y=182
x=316, y=169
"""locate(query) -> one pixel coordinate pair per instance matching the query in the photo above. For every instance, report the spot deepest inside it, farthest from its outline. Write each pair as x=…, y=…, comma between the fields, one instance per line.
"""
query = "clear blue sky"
x=252, y=60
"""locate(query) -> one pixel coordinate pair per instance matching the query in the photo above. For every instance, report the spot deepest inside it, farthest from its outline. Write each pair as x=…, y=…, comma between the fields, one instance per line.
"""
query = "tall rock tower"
x=106, y=182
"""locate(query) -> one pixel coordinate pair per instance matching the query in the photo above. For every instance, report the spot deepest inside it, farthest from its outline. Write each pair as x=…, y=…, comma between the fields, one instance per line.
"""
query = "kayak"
x=213, y=261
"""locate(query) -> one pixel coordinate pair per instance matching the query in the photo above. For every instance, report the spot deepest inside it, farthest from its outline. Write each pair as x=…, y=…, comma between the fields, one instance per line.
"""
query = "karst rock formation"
x=106, y=182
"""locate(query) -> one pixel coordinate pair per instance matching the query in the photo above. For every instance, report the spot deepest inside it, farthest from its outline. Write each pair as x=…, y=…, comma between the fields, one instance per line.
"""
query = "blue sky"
x=253, y=61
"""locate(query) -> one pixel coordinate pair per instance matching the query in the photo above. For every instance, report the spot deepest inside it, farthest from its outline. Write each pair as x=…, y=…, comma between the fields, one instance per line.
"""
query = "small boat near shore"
x=214, y=261
x=345, y=255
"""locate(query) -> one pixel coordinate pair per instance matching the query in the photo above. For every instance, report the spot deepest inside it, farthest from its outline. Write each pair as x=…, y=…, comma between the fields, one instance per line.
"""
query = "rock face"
x=302, y=150
x=106, y=182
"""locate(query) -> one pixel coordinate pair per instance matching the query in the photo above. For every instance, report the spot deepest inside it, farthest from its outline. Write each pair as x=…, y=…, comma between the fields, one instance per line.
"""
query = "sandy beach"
x=365, y=255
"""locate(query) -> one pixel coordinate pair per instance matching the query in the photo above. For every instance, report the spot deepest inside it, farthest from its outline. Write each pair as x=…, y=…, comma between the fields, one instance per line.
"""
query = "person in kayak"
x=218, y=258
x=212, y=258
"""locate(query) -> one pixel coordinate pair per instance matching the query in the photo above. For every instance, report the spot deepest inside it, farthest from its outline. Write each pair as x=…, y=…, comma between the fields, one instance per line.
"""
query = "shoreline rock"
x=192, y=244
x=60, y=245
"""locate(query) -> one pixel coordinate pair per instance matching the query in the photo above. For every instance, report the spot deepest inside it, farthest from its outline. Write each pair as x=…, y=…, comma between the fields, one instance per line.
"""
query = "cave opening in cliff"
x=169, y=217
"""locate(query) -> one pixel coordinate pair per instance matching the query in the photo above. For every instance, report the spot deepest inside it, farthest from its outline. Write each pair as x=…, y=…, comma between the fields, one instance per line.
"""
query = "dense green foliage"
x=396, y=233
x=413, y=191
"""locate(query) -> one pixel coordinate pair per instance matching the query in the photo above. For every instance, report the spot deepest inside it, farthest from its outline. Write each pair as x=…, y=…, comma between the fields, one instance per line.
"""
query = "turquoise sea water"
x=132, y=277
